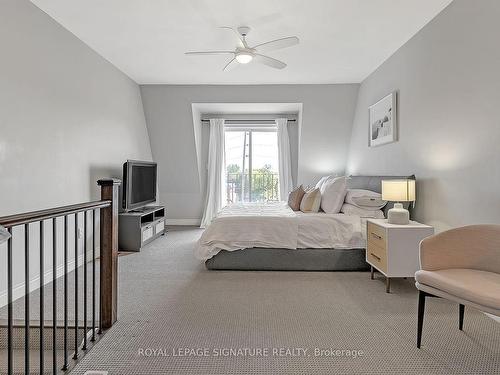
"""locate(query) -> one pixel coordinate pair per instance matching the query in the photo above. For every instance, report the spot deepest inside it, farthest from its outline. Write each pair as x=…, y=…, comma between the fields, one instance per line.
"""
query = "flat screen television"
x=139, y=184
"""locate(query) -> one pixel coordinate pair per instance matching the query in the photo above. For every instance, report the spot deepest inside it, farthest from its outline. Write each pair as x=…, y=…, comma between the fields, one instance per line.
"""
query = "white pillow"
x=365, y=199
x=322, y=181
x=350, y=209
x=333, y=194
x=311, y=201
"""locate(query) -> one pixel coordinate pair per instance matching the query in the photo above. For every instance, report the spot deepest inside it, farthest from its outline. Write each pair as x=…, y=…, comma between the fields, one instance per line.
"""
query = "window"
x=251, y=164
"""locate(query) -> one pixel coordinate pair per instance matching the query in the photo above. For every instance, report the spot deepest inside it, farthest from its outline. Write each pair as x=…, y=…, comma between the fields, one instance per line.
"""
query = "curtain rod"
x=248, y=120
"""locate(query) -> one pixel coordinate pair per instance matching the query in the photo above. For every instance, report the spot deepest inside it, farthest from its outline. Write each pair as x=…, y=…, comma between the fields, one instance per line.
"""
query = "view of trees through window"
x=251, y=166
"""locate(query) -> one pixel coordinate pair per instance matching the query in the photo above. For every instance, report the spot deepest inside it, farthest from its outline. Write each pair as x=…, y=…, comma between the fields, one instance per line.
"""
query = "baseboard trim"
x=183, y=222
x=18, y=290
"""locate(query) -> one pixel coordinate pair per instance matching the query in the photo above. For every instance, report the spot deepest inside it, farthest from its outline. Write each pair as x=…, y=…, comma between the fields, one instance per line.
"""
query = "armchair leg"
x=421, y=311
x=461, y=310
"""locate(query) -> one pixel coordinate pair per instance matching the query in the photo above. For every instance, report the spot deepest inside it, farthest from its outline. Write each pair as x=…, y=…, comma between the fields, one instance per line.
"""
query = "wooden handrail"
x=35, y=216
x=108, y=275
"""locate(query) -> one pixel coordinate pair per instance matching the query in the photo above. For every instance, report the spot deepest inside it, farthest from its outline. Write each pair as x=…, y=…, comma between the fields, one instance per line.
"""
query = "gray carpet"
x=168, y=300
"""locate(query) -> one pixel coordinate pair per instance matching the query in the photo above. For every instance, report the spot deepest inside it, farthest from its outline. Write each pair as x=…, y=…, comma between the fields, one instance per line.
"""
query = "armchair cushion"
x=478, y=287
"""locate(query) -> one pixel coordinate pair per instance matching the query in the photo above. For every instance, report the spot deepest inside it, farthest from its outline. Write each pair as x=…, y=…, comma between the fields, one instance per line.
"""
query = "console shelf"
x=139, y=227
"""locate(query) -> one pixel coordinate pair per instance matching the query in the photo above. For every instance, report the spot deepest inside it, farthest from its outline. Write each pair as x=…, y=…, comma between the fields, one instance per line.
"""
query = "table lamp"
x=398, y=191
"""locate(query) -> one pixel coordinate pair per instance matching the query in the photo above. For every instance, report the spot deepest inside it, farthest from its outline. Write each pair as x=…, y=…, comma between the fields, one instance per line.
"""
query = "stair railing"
x=107, y=282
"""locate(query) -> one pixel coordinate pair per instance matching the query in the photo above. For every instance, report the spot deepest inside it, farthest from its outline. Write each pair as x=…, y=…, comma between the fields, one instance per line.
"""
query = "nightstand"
x=394, y=249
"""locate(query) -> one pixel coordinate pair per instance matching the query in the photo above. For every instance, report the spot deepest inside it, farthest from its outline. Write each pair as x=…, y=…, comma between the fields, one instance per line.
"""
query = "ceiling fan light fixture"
x=244, y=57
x=244, y=54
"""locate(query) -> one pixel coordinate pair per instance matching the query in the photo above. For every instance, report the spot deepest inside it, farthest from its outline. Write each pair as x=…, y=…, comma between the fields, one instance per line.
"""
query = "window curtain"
x=285, y=163
x=216, y=184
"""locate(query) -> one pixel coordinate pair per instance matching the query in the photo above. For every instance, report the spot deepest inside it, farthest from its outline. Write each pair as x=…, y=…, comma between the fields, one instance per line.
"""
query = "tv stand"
x=138, y=210
x=139, y=227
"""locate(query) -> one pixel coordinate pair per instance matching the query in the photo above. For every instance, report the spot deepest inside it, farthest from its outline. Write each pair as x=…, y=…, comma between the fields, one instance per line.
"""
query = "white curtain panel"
x=216, y=184
x=285, y=162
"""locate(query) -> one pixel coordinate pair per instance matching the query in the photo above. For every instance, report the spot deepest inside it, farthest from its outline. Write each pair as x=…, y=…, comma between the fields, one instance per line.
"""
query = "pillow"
x=322, y=181
x=333, y=194
x=295, y=197
x=350, y=209
x=311, y=201
x=365, y=199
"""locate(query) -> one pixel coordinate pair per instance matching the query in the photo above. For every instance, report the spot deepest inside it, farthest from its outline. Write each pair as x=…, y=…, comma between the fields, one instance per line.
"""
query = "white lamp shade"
x=398, y=190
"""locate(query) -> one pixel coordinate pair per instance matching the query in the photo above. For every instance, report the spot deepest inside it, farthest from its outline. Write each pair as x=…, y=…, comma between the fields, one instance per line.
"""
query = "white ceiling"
x=342, y=41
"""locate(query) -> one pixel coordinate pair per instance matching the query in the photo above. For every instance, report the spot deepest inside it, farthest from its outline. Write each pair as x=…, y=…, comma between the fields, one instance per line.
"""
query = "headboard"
x=374, y=183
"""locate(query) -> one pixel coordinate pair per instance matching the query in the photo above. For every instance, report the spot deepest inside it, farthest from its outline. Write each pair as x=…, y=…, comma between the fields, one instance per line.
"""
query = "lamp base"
x=398, y=215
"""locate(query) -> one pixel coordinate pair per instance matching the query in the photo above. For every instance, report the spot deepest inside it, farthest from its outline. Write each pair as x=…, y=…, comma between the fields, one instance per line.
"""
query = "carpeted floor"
x=168, y=300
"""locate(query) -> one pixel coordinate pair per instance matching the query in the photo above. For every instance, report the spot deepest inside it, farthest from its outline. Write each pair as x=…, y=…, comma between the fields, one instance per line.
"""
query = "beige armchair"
x=462, y=265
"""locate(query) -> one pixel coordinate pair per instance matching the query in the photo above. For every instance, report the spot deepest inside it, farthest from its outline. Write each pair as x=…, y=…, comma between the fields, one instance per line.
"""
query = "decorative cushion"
x=480, y=287
x=322, y=181
x=311, y=201
x=295, y=197
x=365, y=199
x=350, y=209
x=332, y=195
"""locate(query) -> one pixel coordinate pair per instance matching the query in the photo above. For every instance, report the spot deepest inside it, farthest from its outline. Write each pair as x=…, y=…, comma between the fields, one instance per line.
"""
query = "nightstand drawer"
x=376, y=235
x=377, y=256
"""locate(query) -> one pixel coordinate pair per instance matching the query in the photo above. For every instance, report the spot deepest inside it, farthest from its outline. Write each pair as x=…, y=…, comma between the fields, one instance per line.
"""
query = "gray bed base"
x=259, y=259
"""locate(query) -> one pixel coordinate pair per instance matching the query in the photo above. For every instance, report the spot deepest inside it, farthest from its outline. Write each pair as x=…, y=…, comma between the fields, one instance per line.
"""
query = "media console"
x=139, y=227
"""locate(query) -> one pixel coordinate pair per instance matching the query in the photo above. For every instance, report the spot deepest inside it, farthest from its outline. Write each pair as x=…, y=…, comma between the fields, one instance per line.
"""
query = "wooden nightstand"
x=394, y=249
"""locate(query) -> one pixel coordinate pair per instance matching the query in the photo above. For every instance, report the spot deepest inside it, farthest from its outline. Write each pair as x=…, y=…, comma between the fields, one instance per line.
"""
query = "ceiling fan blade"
x=209, y=53
x=269, y=61
x=277, y=44
x=230, y=65
x=241, y=41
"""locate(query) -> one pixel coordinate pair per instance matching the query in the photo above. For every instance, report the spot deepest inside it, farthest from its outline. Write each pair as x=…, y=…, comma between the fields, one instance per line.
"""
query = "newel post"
x=109, y=253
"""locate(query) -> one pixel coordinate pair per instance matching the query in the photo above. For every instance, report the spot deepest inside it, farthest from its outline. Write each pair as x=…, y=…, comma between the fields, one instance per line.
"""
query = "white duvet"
x=275, y=225
x=332, y=231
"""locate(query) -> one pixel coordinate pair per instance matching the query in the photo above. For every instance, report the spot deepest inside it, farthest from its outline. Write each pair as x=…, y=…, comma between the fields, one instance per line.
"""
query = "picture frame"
x=382, y=121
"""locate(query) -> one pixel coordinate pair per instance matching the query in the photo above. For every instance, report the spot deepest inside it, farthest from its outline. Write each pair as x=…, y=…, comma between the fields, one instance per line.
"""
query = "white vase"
x=398, y=215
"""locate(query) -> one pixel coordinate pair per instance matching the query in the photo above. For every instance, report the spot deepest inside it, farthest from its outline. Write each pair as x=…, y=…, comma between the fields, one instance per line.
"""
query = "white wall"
x=448, y=80
x=67, y=118
x=326, y=128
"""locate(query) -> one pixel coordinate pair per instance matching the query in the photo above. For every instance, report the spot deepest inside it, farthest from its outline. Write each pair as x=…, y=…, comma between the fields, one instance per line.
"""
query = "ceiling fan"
x=243, y=54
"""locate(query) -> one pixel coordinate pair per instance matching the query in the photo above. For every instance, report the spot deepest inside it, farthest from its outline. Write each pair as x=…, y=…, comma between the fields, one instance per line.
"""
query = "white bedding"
x=331, y=231
x=241, y=226
x=275, y=225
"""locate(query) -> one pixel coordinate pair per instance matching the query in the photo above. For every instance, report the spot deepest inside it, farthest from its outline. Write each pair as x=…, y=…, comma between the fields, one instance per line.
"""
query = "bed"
x=272, y=237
